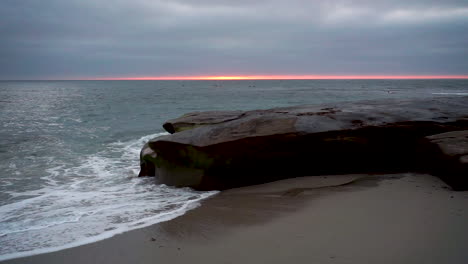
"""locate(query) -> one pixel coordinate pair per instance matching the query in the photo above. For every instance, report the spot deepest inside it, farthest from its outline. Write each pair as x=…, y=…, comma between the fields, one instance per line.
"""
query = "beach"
x=397, y=218
x=69, y=157
x=234, y=132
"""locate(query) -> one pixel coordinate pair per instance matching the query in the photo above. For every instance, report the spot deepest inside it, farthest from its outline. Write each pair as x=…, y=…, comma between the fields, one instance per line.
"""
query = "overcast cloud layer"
x=48, y=39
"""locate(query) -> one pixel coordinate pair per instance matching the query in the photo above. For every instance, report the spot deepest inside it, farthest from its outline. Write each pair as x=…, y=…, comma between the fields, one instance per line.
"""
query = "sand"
x=400, y=218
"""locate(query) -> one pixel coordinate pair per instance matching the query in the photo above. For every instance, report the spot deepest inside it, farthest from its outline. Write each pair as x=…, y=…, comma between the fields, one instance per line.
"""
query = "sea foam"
x=451, y=93
x=101, y=197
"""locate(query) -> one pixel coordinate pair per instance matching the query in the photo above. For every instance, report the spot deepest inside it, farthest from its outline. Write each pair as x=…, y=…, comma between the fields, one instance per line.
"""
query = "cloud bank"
x=56, y=39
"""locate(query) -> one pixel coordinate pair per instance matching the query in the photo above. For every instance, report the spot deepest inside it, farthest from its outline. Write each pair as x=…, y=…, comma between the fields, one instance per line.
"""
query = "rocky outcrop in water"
x=226, y=149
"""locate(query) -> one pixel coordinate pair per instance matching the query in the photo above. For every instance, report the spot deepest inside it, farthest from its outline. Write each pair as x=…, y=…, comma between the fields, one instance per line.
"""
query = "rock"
x=451, y=162
x=147, y=161
x=196, y=119
x=226, y=149
x=453, y=144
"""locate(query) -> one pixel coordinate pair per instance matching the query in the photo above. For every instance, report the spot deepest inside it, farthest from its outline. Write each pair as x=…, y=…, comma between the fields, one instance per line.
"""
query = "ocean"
x=69, y=150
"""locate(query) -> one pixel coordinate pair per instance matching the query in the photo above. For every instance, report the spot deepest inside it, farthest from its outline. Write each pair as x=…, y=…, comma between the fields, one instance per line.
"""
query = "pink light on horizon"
x=286, y=77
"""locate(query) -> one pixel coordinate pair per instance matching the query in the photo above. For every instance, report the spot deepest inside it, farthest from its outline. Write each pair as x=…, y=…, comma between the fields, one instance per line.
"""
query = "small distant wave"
x=454, y=93
x=95, y=199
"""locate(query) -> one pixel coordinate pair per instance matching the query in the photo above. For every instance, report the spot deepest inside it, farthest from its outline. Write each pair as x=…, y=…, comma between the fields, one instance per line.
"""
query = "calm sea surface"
x=69, y=149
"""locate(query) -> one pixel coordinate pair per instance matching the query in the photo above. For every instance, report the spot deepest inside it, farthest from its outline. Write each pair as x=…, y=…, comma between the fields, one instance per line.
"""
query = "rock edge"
x=227, y=149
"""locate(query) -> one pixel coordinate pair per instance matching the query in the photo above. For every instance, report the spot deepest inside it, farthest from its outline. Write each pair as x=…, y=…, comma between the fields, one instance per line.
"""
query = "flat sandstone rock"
x=451, y=163
x=227, y=149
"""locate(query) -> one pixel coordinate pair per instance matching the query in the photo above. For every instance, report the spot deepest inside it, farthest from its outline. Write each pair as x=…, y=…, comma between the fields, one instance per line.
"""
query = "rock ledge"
x=227, y=149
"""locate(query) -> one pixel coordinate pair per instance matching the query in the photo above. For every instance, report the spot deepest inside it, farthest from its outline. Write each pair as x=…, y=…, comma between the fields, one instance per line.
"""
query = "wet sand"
x=400, y=218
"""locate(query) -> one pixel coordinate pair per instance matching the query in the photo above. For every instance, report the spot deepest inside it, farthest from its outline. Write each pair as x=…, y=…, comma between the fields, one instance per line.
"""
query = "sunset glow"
x=289, y=77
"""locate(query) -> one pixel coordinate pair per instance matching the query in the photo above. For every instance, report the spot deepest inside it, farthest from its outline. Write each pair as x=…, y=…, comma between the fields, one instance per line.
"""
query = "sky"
x=102, y=39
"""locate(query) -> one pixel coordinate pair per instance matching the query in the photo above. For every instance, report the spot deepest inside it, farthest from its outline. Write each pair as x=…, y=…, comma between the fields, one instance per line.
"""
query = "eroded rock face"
x=147, y=161
x=454, y=143
x=451, y=163
x=224, y=149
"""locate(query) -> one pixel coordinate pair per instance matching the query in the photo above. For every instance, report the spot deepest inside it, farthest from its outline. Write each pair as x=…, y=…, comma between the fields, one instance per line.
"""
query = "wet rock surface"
x=226, y=149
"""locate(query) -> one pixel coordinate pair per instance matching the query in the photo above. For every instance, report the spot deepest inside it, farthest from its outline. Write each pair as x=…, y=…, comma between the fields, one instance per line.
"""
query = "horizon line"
x=252, y=77
x=283, y=77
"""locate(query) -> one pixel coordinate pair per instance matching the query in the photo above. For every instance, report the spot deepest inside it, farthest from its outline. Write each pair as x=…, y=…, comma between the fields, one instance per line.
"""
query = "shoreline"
x=398, y=218
x=168, y=217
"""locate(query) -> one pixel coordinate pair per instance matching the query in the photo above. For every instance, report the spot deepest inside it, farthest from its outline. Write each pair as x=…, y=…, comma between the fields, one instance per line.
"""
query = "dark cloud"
x=103, y=38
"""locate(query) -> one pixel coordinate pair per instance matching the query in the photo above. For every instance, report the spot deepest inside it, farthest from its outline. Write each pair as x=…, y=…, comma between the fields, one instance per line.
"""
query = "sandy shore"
x=401, y=218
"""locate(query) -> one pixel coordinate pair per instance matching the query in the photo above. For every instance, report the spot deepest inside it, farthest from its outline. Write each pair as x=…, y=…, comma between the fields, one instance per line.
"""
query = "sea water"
x=69, y=150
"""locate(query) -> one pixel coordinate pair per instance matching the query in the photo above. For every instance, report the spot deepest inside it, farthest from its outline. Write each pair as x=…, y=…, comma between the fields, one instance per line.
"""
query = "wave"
x=452, y=93
x=96, y=198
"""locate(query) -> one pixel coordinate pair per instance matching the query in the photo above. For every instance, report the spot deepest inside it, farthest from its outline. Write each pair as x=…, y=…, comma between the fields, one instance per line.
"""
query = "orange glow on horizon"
x=289, y=77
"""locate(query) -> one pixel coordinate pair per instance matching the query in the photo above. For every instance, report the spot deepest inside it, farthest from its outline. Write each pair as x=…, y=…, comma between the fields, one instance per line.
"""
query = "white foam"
x=95, y=199
x=453, y=93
